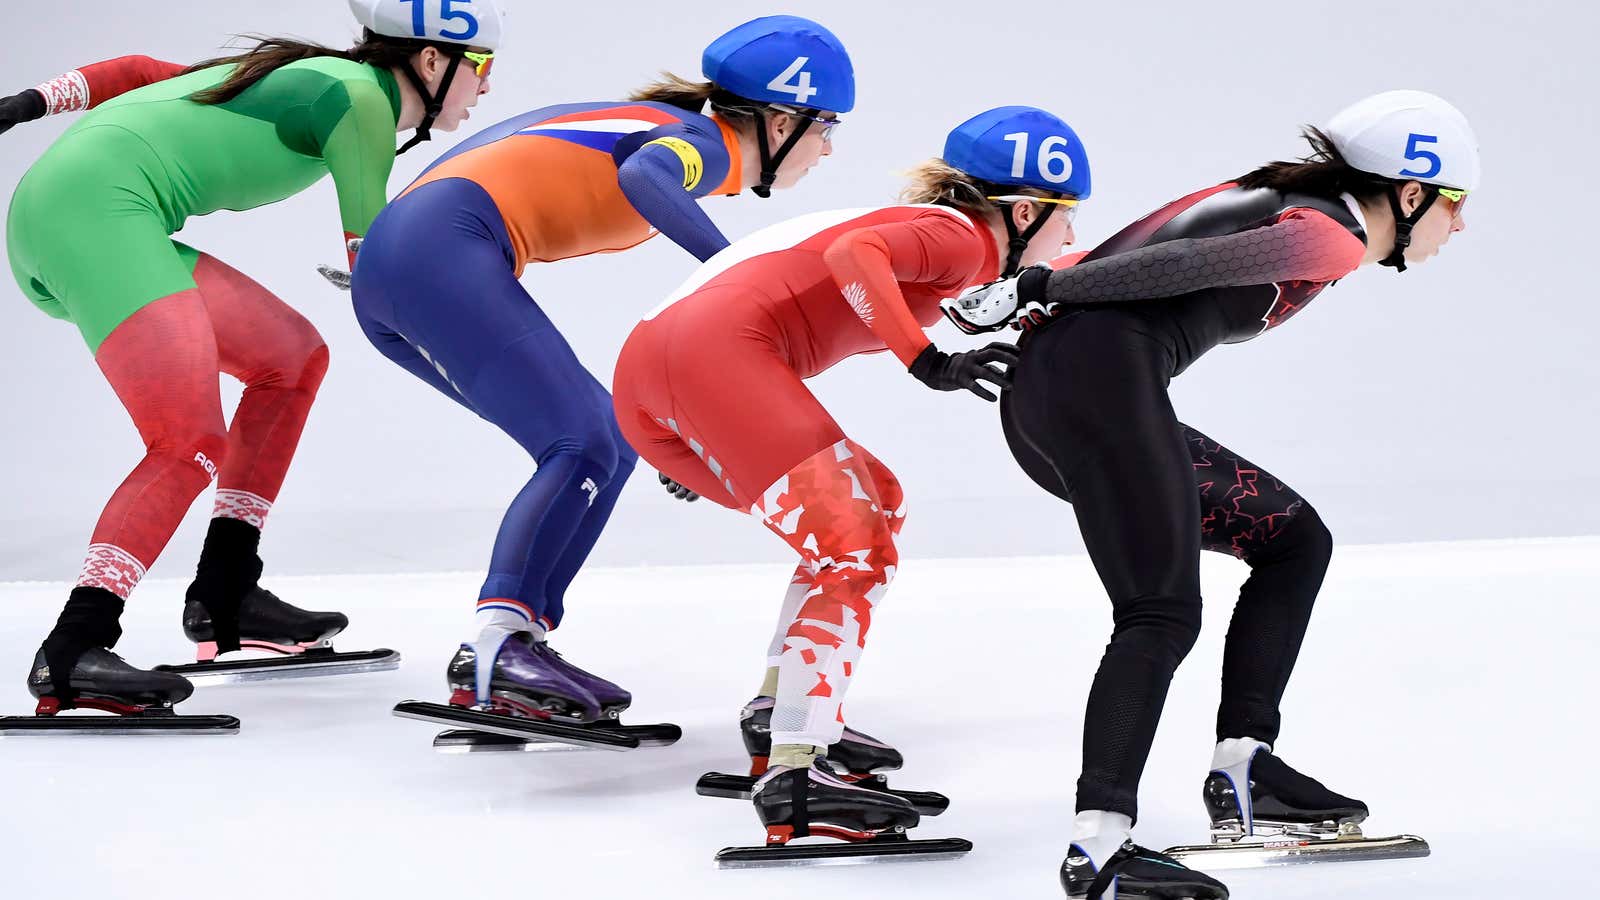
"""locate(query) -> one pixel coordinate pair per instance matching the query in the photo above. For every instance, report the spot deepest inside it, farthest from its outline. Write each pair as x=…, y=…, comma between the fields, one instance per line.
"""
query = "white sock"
x=508, y=615
x=1235, y=751
x=1100, y=834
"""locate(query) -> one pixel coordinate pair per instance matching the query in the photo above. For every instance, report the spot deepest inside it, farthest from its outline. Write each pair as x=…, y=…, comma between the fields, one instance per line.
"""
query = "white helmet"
x=472, y=23
x=1408, y=135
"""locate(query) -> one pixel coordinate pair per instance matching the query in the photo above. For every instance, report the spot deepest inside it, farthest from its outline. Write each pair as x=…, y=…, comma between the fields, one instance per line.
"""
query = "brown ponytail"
x=1322, y=173
x=271, y=54
x=693, y=96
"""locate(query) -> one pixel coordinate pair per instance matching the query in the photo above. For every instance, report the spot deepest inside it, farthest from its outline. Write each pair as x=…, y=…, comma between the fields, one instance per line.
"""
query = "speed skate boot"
x=261, y=621
x=509, y=691
x=854, y=757
x=75, y=669
x=1265, y=813
x=613, y=700
x=1261, y=795
x=795, y=802
x=1135, y=873
x=99, y=679
x=814, y=802
x=505, y=675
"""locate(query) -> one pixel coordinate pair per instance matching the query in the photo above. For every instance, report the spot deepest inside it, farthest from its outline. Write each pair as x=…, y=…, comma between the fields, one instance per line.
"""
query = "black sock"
x=228, y=571
x=90, y=619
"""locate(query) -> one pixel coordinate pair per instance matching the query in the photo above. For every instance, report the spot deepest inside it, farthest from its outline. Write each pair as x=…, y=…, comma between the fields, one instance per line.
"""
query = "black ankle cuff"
x=90, y=619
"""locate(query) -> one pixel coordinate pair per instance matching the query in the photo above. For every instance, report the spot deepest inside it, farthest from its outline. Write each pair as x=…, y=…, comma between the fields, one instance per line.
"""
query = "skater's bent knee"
x=206, y=449
x=1305, y=541
x=596, y=450
x=1314, y=534
x=1166, y=624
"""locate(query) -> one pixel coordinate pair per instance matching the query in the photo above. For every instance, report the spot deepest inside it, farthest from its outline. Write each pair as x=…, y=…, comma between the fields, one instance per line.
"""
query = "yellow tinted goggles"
x=484, y=62
x=1068, y=202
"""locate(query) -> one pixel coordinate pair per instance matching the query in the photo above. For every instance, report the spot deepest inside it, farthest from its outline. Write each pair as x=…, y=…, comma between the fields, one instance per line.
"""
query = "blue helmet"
x=783, y=59
x=1022, y=146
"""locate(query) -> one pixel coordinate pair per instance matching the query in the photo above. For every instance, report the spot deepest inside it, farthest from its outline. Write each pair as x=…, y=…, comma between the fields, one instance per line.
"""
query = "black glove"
x=23, y=107
x=678, y=490
x=955, y=371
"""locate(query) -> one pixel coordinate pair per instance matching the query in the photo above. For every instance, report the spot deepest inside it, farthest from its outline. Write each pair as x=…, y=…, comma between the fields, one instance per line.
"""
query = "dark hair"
x=1324, y=173
x=271, y=54
x=693, y=96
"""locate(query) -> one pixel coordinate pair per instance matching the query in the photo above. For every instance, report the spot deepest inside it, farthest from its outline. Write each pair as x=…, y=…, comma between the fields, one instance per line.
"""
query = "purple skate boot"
x=527, y=700
x=613, y=700
x=501, y=673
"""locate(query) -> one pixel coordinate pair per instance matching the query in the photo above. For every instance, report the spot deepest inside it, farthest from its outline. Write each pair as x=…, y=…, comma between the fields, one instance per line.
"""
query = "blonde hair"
x=692, y=96
x=938, y=182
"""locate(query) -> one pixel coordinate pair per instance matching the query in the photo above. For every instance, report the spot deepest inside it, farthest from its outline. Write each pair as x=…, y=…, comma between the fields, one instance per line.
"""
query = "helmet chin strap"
x=771, y=161
x=1404, y=223
x=1017, y=243
x=432, y=103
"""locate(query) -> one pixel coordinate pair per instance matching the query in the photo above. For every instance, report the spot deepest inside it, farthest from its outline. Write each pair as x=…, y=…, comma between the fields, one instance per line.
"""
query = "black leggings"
x=1089, y=420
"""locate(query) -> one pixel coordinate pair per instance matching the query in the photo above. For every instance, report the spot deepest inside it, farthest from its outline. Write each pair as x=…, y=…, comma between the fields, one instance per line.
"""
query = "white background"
x=1457, y=400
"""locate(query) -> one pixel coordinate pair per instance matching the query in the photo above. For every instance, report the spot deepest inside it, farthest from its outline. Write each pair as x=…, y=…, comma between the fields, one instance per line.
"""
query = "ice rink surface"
x=1448, y=685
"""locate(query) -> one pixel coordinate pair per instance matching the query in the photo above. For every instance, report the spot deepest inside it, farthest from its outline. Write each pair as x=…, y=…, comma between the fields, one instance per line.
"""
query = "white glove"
x=339, y=278
x=986, y=307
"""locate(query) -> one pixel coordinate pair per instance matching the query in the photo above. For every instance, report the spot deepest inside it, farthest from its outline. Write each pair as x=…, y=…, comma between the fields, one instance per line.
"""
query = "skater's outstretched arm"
x=664, y=179
x=869, y=265
x=84, y=88
x=1303, y=245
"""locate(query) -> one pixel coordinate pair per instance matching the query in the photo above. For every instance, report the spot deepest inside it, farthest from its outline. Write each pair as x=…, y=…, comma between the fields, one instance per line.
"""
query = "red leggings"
x=163, y=362
x=728, y=417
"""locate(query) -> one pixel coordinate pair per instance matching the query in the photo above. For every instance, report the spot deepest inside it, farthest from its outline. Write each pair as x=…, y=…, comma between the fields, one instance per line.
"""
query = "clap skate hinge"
x=783, y=834
x=1348, y=844
x=49, y=706
x=206, y=651
x=1231, y=831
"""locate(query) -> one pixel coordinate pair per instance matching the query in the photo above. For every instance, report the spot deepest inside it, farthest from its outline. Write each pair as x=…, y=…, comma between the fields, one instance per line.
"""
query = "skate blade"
x=37, y=726
x=587, y=737
x=738, y=787
x=311, y=664
x=884, y=849
x=1296, y=851
x=465, y=741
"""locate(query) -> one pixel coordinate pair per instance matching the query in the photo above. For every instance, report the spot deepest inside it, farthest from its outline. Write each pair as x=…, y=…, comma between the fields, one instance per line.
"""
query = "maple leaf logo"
x=857, y=297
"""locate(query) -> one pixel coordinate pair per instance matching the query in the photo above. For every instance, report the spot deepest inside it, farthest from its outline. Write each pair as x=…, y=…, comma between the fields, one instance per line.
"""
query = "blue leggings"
x=435, y=291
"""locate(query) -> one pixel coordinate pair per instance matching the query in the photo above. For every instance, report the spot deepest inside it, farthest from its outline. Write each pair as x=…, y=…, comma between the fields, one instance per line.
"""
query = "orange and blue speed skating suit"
x=436, y=290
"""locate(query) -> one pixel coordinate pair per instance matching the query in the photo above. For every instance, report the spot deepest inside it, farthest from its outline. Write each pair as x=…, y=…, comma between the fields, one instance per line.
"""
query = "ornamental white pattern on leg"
x=857, y=295
x=111, y=568
x=241, y=505
x=65, y=93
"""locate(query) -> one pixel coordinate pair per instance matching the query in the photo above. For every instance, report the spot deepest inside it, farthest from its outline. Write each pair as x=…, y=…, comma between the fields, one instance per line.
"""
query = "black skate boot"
x=1263, y=795
x=1265, y=813
x=856, y=757
x=100, y=679
x=225, y=610
x=263, y=622
x=509, y=693
x=814, y=802
x=1135, y=873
